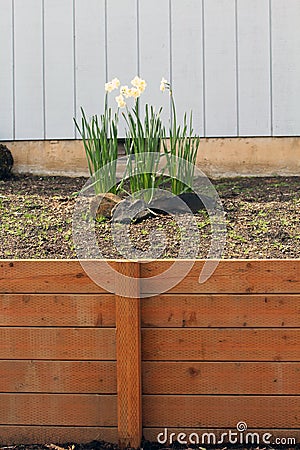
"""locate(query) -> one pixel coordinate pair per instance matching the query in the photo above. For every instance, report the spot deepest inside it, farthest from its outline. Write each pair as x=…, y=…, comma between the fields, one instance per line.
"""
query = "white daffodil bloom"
x=142, y=85
x=139, y=83
x=109, y=87
x=115, y=82
x=120, y=101
x=163, y=84
x=134, y=92
x=112, y=85
x=124, y=90
x=136, y=81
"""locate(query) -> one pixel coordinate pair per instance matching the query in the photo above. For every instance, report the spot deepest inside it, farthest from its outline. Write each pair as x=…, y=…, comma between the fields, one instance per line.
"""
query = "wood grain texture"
x=212, y=310
x=97, y=377
x=69, y=310
x=58, y=409
x=231, y=276
x=221, y=411
x=128, y=350
x=34, y=434
x=221, y=345
x=241, y=378
x=57, y=343
x=49, y=276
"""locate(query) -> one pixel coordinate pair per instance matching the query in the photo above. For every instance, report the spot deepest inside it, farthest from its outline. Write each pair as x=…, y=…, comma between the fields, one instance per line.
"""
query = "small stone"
x=103, y=204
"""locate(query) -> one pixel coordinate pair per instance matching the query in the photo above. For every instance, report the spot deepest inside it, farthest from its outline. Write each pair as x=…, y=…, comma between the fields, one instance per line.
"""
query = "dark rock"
x=6, y=162
x=130, y=210
x=190, y=202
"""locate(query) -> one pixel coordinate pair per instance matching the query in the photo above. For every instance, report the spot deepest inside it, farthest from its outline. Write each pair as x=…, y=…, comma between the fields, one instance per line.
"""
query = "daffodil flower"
x=120, y=101
x=115, y=82
x=112, y=85
x=142, y=85
x=139, y=83
x=134, y=92
x=124, y=90
x=109, y=87
x=164, y=84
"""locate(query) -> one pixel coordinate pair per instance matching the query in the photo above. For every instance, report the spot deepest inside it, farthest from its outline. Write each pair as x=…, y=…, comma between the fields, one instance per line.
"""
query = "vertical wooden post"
x=128, y=346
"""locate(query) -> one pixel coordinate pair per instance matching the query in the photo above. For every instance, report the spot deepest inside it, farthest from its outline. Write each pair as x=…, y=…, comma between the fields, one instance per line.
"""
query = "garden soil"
x=262, y=219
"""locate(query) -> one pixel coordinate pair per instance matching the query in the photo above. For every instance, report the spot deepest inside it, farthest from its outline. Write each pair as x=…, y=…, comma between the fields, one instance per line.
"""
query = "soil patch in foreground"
x=262, y=218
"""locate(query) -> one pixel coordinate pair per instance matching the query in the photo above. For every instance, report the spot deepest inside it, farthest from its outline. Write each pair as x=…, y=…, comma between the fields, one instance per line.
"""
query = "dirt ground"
x=262, y=219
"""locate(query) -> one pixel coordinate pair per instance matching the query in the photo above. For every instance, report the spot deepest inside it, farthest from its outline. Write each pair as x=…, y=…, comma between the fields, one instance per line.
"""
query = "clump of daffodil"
x=142, y=141
x=138, y=87
x=100, y=139
x=184, y=145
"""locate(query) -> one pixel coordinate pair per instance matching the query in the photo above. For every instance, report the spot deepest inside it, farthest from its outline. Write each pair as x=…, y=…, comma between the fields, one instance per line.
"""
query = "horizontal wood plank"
x=210, y=310
x=221, y=411
x=51, y=276
x=97, y=377
x=221, y=378
x=206, y=435
x=58, y=409
x=57, y=310
x=22, y=434
x=221, y=344
x=57, y=343
x=230, y=276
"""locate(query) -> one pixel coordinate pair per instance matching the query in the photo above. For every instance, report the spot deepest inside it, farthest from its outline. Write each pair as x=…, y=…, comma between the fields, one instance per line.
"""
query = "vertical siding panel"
x=254, y=67
x=154, y=32
x=59, y=69
x=90, y=56
x=187, y=59
x=286, y=67
x=29, y=121
x=122, y=58
x=220, y=68
x=6, y=72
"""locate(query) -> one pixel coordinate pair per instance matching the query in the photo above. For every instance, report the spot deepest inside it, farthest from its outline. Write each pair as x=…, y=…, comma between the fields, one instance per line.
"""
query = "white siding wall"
x=235, y=63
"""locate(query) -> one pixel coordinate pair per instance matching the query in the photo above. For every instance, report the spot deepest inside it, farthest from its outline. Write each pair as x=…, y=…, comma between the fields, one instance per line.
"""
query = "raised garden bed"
x=211, y=354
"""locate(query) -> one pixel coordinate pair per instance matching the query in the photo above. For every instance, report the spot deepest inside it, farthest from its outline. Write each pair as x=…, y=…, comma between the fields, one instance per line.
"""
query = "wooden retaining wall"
x=78, y=363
